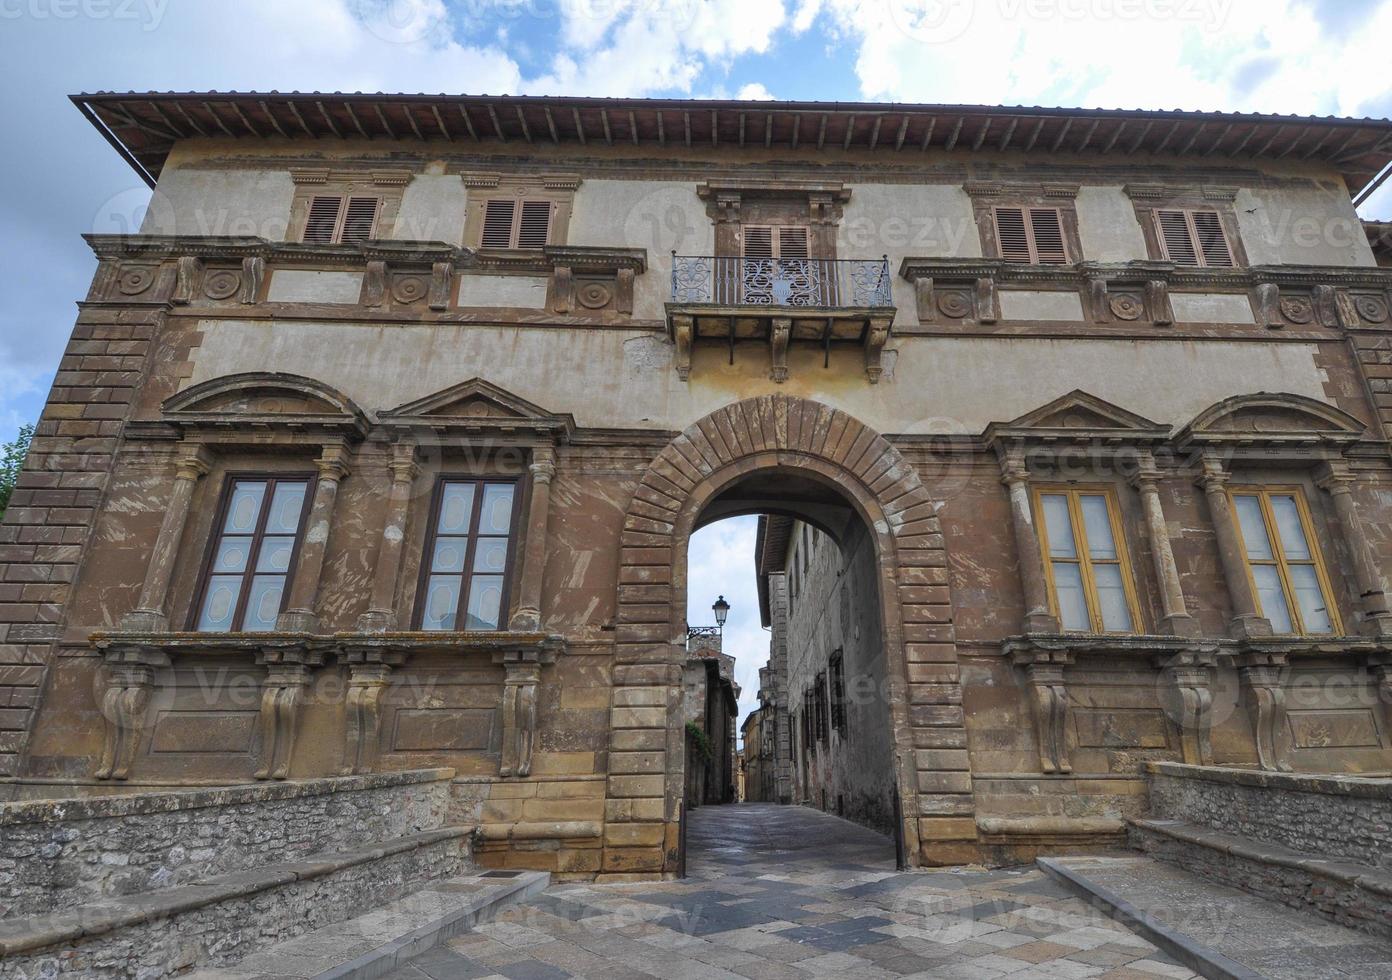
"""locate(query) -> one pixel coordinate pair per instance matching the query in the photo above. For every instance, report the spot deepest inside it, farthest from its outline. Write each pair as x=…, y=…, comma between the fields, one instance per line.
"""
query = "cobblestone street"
x=787, y=893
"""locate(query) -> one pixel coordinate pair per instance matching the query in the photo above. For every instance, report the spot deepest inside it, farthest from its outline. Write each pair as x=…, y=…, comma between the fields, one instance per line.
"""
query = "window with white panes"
x=1090, y=584
x=1283, y=561
x=468, y=555
x=246, y=577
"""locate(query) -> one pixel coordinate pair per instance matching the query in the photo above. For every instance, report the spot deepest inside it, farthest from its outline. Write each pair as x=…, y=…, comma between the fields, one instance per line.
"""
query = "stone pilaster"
x=543, y=470
x=1175, y=618
x=381, y=611
x=1033, y=578
x=299, y=615
x=1336, y=479
x=1247, y=620
x=149, y=614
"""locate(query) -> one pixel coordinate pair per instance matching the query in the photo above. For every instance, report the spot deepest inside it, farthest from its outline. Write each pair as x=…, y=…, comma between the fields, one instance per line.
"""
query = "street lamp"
x=722, y=610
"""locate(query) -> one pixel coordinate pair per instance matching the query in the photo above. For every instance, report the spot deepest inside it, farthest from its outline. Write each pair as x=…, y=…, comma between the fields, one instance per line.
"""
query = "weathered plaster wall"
x=662, y=216
x=432, y=209
x=1107, y=225
x=190, y=201
x=969, y=382
x=1310, y=224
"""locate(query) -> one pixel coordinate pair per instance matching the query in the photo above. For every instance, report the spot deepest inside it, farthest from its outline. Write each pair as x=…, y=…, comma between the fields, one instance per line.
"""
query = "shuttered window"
x=512, y=223
x=1030, y=235
x=775, y=242
x=334, y=219
x=1193, y=237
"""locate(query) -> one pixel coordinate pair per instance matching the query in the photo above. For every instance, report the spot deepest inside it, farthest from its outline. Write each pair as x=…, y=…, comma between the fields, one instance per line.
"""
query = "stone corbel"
x=1324, y=298
x=1268, y=296
x=1044, y=671
x=779, y=335
x=987, y=303
x=369, y=676
x=288, y=673
x=876, y=335
x=130, y=675
x=441, y=274
x=623, y=290
x=1380, y=665
x=683, y=328
x=1157, y=300
x=562, y=289
x=522, y=674
x=253, y=272
x=188, y=274
x=374, y=286
x=923, y=300
x=1097, y=299
x=1261, y=675
x=1189, y=677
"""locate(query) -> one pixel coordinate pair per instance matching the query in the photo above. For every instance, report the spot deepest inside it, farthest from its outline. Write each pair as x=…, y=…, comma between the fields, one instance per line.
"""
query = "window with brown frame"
x=1032, y=235
x=1091, y=588
x=340, y=219
x=1284, y=563
x=245, y=579
x=468, y=555
x=1193, y=237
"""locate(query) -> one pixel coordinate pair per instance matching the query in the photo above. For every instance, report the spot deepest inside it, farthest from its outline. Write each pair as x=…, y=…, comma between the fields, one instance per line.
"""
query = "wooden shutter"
x=1011, y=235
x=323, y=220
x=758, y=242
x=1176, y=243
x=359, y=219
x=792, y=242
x=535, y=226
x=1213, y=244
x=1046, y=228
x=497, y=223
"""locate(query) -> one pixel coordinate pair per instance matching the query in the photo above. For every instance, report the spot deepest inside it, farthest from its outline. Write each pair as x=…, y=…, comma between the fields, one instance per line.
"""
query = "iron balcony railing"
x=723, y=280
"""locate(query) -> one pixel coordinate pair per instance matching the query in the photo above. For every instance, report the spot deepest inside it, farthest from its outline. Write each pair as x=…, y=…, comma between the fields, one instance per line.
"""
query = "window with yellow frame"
x=1091, y=589
x=1283, y=562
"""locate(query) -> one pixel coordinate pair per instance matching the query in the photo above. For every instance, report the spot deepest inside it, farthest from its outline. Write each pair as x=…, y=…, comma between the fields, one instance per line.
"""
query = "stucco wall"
x=1313, y=224
x=432, y=209
x=220, y=202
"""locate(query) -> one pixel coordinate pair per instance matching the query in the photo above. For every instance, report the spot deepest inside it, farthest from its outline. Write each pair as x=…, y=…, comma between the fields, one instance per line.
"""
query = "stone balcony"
x=729, y=299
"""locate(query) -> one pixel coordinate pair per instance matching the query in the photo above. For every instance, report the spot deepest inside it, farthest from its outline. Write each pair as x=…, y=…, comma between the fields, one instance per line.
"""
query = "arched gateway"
x=794, y=436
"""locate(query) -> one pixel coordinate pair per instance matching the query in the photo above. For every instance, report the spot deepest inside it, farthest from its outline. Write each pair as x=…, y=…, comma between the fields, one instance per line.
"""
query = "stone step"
x=377, y=943
x=1215, y=930
x=220, y=919
x=1354, y=895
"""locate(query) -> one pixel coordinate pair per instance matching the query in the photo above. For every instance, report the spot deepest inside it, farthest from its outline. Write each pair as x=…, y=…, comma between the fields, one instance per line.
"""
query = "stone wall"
x=58, y=854
x=835, y=608
x=1339, y=817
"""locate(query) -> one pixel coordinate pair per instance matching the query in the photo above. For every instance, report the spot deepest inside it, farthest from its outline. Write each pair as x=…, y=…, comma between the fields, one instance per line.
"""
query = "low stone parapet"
x=1340, y=817
x=59, y=854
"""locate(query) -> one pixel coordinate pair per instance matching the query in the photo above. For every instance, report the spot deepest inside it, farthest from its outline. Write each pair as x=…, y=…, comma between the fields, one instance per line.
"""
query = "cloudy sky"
x=59, y=178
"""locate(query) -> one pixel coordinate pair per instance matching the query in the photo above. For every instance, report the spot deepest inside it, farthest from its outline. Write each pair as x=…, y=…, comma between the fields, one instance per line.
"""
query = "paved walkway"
x=787, y=893
x=1278, y=942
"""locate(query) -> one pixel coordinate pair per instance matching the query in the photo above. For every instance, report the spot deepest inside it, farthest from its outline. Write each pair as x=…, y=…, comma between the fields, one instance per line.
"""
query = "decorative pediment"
x=265, y=400
x=479, y=406
x=1077, y=417
x=1271, y=420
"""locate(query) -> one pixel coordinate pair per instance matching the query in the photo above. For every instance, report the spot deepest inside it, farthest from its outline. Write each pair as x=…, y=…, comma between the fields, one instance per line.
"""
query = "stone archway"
x=772, y=433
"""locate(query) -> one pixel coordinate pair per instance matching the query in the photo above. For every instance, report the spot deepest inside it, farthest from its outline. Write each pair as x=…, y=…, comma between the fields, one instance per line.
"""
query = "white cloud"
x=755, y=92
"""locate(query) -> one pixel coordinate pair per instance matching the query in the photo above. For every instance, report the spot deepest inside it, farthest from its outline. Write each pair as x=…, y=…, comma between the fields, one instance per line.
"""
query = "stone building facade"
x=379, y=447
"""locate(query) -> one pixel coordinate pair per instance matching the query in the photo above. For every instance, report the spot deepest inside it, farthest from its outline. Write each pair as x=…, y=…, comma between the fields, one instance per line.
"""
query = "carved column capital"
x=194, y=462
x=404, y=465
x=1213, y=476
x=1146, y=476
x=332, y=463
x=1335, y=476
x=543, y=464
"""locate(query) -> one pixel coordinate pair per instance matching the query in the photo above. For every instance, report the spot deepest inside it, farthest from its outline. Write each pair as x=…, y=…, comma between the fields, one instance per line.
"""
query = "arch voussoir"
x=647, y=745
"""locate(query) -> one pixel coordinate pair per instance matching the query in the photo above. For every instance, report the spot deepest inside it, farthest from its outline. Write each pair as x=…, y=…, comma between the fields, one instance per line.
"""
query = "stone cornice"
x=122, y=645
